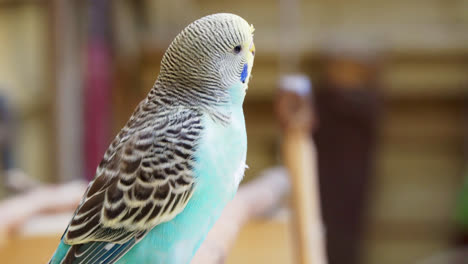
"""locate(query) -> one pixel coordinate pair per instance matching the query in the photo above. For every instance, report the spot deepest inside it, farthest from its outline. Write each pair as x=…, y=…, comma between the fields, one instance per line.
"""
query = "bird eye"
x=237, y=49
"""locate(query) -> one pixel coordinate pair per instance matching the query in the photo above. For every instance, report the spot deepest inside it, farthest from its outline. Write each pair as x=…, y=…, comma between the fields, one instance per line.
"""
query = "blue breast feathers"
x=244, y=73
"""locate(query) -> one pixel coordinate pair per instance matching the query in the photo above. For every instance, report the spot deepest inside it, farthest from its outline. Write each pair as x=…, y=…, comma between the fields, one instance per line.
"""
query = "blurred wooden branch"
x=54, y=198
x=252, y=200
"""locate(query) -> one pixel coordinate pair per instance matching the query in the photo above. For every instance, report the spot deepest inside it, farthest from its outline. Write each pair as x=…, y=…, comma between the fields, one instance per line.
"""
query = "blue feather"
x=244, y=73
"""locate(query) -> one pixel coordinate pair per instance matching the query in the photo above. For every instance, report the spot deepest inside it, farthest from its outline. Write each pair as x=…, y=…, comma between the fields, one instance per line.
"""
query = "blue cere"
x=244, y=73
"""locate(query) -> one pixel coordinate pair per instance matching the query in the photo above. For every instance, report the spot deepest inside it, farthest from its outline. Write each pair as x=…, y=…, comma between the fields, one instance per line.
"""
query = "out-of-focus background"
x=390, y=82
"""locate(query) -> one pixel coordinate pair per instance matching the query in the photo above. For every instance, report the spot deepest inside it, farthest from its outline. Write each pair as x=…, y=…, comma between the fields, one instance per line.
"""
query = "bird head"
x=210, y=56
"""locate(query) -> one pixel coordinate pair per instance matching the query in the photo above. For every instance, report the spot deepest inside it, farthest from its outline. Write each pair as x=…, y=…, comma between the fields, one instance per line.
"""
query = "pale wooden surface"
x=263, y=242
x=260, y=241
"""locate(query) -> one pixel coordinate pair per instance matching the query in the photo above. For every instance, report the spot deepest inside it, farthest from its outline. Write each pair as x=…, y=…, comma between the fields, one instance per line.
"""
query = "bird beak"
x=252, y=48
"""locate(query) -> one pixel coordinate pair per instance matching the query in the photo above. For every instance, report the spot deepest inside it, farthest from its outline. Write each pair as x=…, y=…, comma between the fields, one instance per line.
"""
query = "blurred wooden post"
x=294, y=111
x=295, y=114
x=68, y=108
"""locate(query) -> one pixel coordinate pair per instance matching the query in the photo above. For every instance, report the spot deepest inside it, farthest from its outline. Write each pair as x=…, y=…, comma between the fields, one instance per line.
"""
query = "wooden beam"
x=68, y=103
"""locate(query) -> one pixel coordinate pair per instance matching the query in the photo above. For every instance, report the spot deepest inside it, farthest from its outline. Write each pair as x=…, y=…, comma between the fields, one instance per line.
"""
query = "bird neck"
x=192, y=95
x=217, y=103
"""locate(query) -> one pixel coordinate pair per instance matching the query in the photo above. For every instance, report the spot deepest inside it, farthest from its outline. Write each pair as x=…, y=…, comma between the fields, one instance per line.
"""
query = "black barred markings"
x=151, y=185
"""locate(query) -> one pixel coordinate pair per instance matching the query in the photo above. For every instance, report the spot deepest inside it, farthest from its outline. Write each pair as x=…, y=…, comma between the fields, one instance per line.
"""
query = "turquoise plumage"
x=169, y=173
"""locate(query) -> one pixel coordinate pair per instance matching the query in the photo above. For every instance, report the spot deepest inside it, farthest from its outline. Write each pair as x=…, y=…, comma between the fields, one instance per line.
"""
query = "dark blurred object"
x=14, y=179
x=348, y=110
x=461, y=215
x=6, y=134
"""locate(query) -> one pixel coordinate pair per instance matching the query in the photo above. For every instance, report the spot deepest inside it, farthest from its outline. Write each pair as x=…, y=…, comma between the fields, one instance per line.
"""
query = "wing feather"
x=145, y=178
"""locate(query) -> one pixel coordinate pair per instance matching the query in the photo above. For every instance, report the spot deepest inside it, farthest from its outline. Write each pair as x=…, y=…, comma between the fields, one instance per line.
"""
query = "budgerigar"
x=169, y=173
